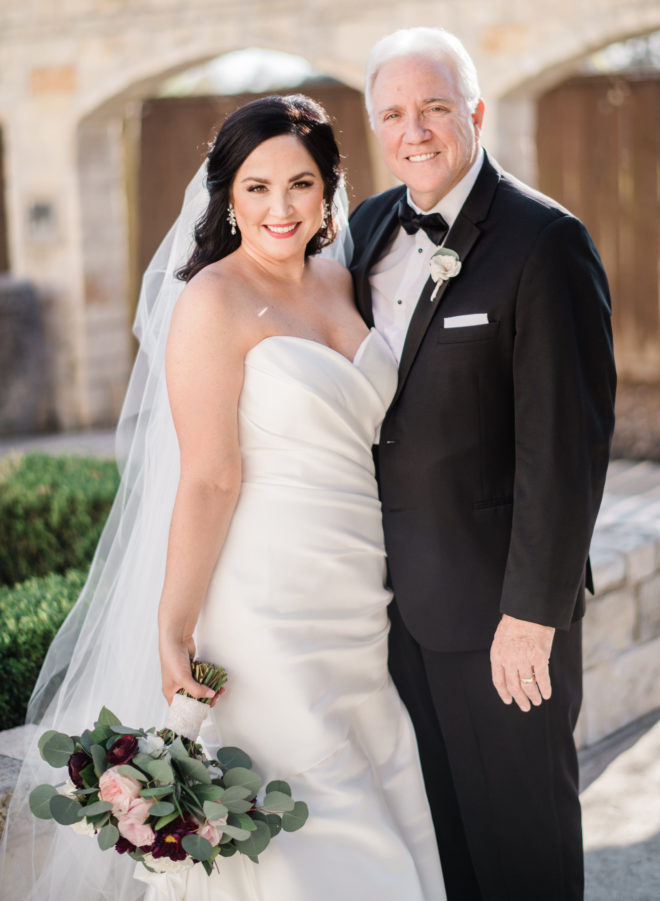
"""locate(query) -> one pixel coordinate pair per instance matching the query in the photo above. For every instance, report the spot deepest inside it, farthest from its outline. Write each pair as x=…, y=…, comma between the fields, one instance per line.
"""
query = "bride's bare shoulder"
x=217, y=299
x=332, y=274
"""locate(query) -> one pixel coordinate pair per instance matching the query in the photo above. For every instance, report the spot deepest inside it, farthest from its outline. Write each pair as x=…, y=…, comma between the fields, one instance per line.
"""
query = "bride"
x=249, y=515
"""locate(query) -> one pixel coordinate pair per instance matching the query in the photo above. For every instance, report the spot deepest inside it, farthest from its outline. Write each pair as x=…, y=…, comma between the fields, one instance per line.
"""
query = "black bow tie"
x=432, y=223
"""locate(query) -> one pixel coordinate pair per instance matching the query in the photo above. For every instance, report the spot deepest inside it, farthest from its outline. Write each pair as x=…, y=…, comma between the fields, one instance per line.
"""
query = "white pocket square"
x=469, y=319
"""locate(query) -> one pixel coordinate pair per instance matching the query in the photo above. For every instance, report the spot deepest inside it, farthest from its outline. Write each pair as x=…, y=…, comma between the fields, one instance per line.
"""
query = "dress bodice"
x=305, y=409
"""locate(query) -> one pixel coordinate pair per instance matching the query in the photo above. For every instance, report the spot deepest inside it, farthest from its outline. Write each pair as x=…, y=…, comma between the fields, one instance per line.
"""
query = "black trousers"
x=502, y=784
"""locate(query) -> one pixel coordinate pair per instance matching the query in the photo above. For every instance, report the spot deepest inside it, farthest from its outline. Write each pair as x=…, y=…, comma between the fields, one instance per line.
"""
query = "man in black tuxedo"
x=492, y=461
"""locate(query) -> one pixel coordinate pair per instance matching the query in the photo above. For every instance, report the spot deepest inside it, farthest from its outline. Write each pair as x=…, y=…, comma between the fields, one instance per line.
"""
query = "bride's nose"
x=280, y=204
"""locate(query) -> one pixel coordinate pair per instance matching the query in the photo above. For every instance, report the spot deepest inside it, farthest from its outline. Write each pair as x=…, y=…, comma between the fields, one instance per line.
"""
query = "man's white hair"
x=430, y=43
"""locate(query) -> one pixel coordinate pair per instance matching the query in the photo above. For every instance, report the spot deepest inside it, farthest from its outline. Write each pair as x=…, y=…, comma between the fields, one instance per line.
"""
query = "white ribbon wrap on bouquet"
x=186, y=716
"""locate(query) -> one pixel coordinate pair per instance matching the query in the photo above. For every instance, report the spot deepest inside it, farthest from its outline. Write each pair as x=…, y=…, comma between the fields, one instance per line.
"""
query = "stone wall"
x=71, y=75
x=622, y=623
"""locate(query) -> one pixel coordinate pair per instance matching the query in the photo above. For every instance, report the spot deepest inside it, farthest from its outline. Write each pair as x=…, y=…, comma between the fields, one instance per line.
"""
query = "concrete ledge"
x=622, y=622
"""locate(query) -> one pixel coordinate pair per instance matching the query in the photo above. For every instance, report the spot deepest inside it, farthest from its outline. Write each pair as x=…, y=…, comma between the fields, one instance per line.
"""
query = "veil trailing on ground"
x=106, y=653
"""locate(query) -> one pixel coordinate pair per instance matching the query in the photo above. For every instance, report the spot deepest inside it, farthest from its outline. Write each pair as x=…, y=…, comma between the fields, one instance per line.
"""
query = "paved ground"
x=620, y=776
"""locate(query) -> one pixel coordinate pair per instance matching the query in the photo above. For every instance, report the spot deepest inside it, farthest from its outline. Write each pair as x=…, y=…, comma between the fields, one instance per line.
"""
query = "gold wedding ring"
x=528, y=681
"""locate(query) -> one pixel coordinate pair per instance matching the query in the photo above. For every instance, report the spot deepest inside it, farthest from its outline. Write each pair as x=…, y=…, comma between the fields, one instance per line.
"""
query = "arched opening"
x=137, y=152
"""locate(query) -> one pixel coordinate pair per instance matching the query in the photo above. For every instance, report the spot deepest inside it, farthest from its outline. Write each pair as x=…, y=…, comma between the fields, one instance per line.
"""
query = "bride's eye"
x=302, y=184
x=257, y=189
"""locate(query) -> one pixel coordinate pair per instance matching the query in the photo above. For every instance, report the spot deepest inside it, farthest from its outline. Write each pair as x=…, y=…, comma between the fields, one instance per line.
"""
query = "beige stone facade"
x=73, y=73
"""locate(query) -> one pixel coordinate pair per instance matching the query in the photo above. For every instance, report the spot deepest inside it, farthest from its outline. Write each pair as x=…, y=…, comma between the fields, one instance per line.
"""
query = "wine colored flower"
x=123, y=750
x=123, y=846
x=77, y=763
x=119, y=790
x=168, y=839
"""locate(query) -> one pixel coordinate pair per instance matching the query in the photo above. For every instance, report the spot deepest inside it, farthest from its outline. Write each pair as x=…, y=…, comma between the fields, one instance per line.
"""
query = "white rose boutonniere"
x=445, y=264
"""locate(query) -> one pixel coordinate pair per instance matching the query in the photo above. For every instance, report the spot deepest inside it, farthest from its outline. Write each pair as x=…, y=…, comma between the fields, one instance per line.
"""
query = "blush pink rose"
x=132, y=824
x=119, y=790
x=210, y=830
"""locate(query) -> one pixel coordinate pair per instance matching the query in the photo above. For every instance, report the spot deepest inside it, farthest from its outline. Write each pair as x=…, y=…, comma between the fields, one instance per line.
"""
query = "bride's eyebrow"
x=266, y=181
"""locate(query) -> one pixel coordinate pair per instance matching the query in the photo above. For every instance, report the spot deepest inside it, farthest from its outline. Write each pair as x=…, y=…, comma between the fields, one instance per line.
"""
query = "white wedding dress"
x=297, y=613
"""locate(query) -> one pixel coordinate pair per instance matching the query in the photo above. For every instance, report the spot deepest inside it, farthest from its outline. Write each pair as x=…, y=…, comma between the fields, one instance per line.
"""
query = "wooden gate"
x=598, y=146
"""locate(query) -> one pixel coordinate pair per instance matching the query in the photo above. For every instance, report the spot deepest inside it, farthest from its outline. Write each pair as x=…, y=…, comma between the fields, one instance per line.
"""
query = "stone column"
x=44, y=224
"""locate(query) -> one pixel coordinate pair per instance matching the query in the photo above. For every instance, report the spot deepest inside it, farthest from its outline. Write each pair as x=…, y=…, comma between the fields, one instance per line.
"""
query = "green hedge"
x=30, y=615
x=52, y=512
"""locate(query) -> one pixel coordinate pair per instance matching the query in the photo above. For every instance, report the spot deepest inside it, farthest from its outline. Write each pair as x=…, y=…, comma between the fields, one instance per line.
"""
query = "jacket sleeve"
x=564, y=385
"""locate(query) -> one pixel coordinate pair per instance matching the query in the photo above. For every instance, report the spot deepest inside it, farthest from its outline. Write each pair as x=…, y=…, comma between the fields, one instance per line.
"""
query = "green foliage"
x=30, y=615
x=52, y=512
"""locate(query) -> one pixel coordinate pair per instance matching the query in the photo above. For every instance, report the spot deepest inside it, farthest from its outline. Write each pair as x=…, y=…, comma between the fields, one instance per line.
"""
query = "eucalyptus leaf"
x=235, y=793
x=87, y=740
x=278, y=786
x=160, y=770
x=163, y=821
x=257, y=841
x=57, y=749
x=98, y=807
x=107, y=718
x=232, y=757
x=142, y=760
x=65, y=810
x=209, y=792
x=294, y=819
x=274, y=822
x=227, y=850
x=127, y=770
x=161, y=809
x=235, y=832
x=88, y=776
x=177, y=749
x=214, y=811
x=108, y=837
x=158, y=791
x=238, y=806
x=278, y=802
x=125, y=730
x=46, y=737
x=194, y=770
x=100, y=760
x=197, y=847
x=100, y=734
x=40, y=801
x=242, y=820
x=239, y=775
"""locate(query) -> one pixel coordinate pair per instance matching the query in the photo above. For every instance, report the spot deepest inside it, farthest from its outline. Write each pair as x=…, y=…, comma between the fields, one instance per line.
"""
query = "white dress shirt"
x=398, y=278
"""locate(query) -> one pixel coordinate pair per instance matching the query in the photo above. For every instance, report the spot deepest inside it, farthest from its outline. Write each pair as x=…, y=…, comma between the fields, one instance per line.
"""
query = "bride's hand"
x=175, y=656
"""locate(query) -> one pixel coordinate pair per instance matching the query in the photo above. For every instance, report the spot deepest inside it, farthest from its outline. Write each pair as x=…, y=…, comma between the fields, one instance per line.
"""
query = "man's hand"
x=519, y=657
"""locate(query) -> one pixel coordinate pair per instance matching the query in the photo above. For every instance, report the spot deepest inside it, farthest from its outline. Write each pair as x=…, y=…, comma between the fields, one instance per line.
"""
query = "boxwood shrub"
x=30, y=615
x=52, y=511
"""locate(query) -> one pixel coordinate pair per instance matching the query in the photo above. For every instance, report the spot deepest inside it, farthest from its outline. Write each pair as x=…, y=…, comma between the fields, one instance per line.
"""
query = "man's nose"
x=416, y=131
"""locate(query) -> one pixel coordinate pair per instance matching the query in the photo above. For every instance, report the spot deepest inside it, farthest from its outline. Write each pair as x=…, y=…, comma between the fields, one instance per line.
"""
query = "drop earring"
x=231, y=218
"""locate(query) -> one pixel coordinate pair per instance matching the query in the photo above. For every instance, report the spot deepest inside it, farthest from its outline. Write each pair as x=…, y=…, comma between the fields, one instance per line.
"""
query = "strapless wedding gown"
x=297, y=613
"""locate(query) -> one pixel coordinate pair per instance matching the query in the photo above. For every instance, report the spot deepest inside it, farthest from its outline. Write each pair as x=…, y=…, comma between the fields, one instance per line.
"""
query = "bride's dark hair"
x=240, y=134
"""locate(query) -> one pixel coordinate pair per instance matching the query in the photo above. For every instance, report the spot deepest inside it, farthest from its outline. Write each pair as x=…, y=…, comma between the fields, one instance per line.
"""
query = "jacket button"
x=390, y=441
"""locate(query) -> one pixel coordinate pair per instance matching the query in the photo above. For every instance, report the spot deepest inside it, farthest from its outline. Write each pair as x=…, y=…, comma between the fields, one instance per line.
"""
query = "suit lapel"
x=461, y=238
x=382, y=234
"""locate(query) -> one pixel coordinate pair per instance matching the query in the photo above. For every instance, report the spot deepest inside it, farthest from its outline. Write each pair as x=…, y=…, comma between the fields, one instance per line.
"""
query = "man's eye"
x=389, y=116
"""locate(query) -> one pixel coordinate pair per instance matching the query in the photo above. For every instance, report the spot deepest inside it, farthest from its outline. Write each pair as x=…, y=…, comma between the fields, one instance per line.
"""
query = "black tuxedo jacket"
x=494, y=451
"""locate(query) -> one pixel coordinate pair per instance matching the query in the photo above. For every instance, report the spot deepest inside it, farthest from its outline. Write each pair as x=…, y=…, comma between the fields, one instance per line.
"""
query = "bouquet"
x=157, y=797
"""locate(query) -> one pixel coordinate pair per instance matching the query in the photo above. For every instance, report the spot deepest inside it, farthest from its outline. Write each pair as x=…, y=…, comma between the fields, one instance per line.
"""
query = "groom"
x=491, y=462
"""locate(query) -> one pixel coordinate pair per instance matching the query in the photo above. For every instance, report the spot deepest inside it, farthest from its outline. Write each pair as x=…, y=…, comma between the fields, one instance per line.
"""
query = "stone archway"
x=135, y=155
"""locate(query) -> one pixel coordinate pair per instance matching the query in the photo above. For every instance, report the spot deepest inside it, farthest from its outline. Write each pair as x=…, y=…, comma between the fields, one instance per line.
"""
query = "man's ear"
x=478, y=116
